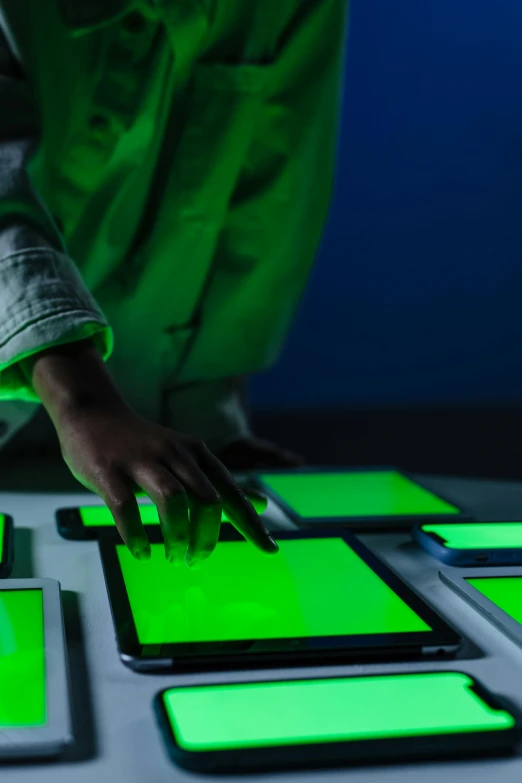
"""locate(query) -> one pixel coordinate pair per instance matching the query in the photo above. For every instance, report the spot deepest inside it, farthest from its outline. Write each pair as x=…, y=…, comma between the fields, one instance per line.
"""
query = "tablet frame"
x=466, y=558
x=441, y=640
x=53, y=738
x=328, y=754
x=358, y=524
x=456, y=579
x=6, y=562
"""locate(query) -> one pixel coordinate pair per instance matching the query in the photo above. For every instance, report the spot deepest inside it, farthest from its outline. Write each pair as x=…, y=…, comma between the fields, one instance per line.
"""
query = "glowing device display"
x=504, y=591
x=100, y=516
x=480, y=535
x=228, y=717
x=355, y=494
x=311, y=588
x=22, y=659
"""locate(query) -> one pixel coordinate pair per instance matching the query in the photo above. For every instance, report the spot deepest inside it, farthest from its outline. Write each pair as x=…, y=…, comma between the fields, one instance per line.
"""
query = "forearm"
x=71, y=377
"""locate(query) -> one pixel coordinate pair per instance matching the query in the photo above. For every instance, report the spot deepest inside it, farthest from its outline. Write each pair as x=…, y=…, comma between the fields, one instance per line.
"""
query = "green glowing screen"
x=504, y=591
x=2, y=532
x=22, y=659
x=100, y=516
x=312, y=587
x=480, y=535
x=225, y=717
x=357, y=494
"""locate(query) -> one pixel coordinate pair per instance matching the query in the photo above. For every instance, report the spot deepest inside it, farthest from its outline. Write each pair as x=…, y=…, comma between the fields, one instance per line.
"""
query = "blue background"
x=416, y=296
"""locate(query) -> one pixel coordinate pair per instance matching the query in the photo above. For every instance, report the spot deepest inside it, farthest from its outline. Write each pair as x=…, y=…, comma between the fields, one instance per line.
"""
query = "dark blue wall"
x=417, y=293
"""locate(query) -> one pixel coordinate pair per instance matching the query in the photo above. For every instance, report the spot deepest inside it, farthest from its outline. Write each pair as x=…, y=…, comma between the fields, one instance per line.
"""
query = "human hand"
x=115, y=452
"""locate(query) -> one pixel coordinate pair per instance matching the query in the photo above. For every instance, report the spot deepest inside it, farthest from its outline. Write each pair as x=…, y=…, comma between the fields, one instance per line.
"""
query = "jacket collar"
x=84, y=15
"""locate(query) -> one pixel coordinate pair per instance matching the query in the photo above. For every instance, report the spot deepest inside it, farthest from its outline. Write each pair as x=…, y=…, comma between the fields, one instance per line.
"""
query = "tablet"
x=323, y=722
x=89, y=522
x=6, y=545
x=361, y=499
x=34, y=707
x=323, y=597
x=496, y=593
x=472, y=543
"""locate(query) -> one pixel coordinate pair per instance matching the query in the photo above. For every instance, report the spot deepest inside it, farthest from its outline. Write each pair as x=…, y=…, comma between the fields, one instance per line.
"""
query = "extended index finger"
x=237, y=506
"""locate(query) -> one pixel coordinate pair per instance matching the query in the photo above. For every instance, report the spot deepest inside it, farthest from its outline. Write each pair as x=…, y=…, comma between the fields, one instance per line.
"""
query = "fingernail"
x=143, y=554
x=175, y=560
x=274, y=543
x=194, y=565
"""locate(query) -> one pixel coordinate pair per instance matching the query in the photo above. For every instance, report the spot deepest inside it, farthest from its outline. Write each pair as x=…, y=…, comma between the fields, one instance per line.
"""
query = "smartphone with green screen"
x=6, y=545
x=334, y=721
x=89, y=522
x=472, y=543
x=363, y=499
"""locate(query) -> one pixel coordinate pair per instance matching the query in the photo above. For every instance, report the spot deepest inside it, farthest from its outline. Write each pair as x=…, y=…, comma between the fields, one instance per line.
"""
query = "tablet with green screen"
x=469, y=543
x=324, y=721
x=360, y=499
x=6, y=545
x=34, y=703
x=495, y=592
x=88, y=522
x=322, y=597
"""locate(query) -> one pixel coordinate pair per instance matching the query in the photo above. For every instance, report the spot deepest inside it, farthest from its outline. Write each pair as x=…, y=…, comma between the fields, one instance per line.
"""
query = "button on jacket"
x=165, y=172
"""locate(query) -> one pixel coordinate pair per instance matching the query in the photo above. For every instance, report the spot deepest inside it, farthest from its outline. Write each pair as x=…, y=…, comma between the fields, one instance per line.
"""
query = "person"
x=166, y=168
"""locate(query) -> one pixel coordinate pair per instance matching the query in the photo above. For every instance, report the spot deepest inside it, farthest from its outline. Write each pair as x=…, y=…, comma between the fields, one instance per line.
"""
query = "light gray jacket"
x=165, y=173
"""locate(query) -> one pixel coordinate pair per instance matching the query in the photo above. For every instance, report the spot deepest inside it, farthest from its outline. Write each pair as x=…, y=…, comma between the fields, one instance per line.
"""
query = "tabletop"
x=116, y=734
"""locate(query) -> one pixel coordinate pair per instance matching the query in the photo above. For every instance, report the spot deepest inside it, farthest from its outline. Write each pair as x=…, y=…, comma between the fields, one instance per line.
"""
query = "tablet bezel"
x=6, y=562
x=56, y=735
x=456, y=578
x=466, y=558
x=309, y=755
x=441, y=640
x=359, y=524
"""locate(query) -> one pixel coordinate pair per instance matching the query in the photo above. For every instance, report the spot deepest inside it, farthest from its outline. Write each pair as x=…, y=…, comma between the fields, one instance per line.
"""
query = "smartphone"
x=87, y=523
x=362, y=499
x=334, y=721
x=6, y=545
x=472, y=543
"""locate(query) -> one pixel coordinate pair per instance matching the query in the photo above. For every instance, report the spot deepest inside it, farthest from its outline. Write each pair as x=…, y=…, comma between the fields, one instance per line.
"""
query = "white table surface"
x=117, y=738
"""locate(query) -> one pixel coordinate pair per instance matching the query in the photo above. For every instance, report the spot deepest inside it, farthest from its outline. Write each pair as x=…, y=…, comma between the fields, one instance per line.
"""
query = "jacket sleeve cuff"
x=43, y=302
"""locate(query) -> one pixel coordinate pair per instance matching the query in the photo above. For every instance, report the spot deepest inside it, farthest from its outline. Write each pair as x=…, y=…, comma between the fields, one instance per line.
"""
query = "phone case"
x=335, y=754
x=464, y=558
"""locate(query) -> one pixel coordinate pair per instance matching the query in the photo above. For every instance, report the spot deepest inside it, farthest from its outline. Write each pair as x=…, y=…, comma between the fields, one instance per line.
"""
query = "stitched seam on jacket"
x=92, y=315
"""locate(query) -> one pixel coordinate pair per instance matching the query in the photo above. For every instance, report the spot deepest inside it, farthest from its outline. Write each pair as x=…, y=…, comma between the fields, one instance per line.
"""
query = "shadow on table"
x=469, y=650
x=84, y=731
x=23, y=566
x=32, y=474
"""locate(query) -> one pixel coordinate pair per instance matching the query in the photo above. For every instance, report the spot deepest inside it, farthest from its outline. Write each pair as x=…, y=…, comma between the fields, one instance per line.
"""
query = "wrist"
x=72, y=379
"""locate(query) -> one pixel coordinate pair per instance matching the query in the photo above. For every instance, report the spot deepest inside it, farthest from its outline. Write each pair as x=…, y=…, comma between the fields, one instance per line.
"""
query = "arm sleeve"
x=43, y=300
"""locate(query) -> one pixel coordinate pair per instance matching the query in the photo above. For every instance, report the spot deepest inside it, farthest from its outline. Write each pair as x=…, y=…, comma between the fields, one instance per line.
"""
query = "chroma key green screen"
x=312, y=587
x=355, y=494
